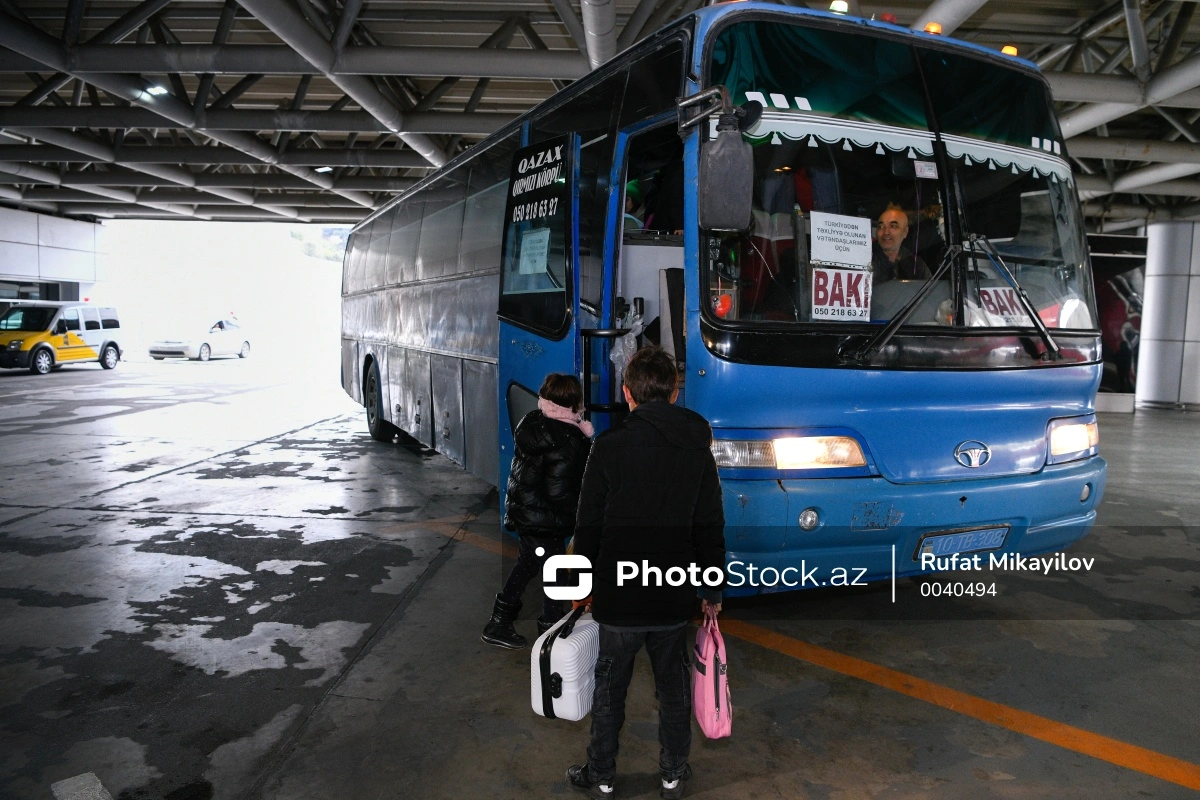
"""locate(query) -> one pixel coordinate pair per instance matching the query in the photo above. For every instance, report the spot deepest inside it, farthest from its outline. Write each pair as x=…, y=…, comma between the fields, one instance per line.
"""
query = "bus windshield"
x=872, y=157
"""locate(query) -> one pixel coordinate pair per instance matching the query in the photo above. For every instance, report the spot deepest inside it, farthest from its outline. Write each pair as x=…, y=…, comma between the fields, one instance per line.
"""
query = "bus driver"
x=890, y=258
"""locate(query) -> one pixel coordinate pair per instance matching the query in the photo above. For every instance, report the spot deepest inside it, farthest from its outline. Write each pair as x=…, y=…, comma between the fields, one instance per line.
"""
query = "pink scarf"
x=564, y=414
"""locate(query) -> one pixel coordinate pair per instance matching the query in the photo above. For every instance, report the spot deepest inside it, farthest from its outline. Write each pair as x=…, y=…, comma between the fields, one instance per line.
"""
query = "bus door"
x=649, y=253
x=539, y=300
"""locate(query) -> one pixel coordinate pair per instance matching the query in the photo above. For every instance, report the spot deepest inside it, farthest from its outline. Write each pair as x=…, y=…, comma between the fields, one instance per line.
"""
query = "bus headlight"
x=15, y=344
x=1073, y=438
x=802, y=452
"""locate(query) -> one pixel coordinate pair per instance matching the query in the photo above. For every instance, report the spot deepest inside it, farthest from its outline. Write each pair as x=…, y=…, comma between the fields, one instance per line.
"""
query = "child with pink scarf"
x=550, y=449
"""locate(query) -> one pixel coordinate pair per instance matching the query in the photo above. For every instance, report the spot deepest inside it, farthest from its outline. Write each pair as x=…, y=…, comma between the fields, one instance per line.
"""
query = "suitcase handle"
x=569, y=626
x=552, y=682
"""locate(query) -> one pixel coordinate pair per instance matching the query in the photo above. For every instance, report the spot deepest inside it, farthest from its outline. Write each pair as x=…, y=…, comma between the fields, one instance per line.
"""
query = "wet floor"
x=214, y=584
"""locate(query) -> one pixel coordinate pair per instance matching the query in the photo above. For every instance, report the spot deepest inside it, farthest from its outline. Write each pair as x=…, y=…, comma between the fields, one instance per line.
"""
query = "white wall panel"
x=18, y=260
x=1165, y=307
x=1191, y=331
x=1169, y=248
x=66, y=265
x=68, y=234
x=1189, y=381
x=1158, y=372
x=18, y=226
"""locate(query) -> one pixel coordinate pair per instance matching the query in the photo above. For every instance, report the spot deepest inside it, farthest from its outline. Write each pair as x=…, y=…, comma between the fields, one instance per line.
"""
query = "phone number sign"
x=841, y=294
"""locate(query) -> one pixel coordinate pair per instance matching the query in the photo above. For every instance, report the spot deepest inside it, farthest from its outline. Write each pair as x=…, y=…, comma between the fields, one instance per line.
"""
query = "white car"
x=224, y=338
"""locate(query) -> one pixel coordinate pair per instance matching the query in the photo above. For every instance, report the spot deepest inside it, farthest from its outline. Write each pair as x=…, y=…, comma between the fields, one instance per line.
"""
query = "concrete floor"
x=213, y=584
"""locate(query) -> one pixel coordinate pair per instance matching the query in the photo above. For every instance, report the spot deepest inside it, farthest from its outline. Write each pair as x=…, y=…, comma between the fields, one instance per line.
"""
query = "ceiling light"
x=156, y=90
x=323, y=169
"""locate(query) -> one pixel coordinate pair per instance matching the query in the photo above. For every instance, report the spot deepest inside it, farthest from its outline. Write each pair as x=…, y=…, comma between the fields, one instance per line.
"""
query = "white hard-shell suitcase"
x=563, y=666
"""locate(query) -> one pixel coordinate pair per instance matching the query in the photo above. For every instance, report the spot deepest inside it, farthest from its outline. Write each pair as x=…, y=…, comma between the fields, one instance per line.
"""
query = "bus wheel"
x=42, y=362
x=381, y=430
x=110, y=357
x=205, y=352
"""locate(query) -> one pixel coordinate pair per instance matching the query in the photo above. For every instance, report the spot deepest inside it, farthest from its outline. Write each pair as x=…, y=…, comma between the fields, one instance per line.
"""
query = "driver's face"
x=890, y=231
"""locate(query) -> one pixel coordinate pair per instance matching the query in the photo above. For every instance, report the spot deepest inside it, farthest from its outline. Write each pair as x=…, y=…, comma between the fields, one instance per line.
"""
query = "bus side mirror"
x=60, y=327
x=726, y=186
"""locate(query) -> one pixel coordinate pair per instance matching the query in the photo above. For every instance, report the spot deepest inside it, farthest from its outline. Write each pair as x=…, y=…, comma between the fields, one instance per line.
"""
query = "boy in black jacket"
x=650, y=496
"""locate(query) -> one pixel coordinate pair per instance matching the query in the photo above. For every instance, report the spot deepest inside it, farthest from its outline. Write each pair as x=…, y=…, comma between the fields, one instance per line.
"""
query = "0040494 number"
x=955, y=589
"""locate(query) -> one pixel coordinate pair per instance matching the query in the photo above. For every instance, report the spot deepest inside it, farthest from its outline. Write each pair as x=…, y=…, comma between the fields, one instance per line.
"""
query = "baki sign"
x=841, y=294
x=1002, y=307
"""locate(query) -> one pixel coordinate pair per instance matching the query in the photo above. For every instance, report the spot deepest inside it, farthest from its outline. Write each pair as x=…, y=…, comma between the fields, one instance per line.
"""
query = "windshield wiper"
x=884, y=336
x=1055, y=352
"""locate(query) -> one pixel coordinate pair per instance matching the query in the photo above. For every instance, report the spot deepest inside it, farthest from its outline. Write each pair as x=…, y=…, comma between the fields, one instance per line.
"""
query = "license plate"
x=948, y=544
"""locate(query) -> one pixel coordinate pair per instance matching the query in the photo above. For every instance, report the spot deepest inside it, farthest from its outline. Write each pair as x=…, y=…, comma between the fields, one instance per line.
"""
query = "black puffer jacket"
x=547, y=467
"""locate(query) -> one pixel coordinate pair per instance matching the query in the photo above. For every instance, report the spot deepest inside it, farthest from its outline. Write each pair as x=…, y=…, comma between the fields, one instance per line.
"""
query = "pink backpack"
x=710, y=681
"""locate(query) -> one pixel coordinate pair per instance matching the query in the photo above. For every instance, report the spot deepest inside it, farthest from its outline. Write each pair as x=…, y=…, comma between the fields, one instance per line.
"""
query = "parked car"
x=40, y=335
x=225, y=337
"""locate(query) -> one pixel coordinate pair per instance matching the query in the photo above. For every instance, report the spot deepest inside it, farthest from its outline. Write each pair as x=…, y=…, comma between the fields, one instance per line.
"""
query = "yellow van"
x=39, y=335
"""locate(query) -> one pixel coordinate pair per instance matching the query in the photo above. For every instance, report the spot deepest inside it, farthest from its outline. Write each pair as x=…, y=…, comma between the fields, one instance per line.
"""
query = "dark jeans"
x=672, y=688
x=529, y=563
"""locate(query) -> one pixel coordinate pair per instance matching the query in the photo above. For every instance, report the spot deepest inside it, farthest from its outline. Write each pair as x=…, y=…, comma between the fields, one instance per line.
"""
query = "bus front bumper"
x=867, y=526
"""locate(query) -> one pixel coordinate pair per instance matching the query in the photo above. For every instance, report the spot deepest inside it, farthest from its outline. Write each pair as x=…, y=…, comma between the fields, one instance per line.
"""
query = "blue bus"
x=862, y=245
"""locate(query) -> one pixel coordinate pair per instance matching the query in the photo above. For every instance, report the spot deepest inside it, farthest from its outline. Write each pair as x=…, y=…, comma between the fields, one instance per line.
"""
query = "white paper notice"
x=841, y=294
x=535, y=247
x=841, y=240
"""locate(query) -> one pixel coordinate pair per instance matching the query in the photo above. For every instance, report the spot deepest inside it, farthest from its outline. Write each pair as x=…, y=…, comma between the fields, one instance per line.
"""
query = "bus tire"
x=110, y=356
x=42, y=361
x=245, y=351
x=205, y=353
x=381, y=430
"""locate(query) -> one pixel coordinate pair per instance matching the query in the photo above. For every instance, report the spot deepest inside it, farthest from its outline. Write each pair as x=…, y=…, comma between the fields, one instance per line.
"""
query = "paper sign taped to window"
x=841, y=294
x=925, y=169
x=1002, y=308
x=840, y=239
x=535, y=247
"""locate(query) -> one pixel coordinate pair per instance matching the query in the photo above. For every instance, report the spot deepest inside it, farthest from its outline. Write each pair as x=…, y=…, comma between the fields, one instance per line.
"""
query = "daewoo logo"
x=972, y=454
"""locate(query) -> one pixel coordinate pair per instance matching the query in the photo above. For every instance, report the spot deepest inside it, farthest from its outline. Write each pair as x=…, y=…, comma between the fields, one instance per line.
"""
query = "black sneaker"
x=673, y=790
x=580, y=780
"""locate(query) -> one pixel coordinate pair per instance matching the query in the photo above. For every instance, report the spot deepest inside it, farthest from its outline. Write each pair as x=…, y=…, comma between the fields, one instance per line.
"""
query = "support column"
x=1169, y=351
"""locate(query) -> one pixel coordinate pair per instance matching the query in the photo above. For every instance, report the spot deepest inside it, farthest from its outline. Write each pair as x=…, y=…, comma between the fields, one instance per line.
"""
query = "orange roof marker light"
x=933, y=27
x=839, y=7
x=1009, y=50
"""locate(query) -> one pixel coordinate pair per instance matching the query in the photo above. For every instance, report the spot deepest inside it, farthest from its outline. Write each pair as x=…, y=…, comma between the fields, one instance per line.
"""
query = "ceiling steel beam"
x=291, y=26
x=31, y=42
x=1134, y=149
x=194, y=197
x=1096, y=185
x=273, y=59
x=1174, y=80
x=135, y=156
x=22, y=173
x=948, y=13
x=338, y=215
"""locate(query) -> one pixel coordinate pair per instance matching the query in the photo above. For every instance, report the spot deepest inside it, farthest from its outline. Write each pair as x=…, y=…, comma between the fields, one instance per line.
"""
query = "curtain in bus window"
x=828, y=73
x=982, y=99
x=441, y=228
x=404, y=237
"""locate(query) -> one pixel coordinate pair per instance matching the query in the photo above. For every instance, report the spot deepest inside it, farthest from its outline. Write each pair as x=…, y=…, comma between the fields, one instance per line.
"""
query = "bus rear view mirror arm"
x=726, y=180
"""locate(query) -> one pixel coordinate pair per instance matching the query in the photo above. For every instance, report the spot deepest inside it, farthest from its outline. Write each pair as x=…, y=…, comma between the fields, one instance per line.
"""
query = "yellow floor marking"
x=1174, y=770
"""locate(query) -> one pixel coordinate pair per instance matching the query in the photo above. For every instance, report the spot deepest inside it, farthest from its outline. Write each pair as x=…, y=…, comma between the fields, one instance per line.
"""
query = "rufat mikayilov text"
x=1012, y=562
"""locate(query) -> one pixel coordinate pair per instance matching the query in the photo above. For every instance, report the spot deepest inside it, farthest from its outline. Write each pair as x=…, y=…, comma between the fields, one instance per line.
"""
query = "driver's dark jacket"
x=543, y=484
x=651, y=493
